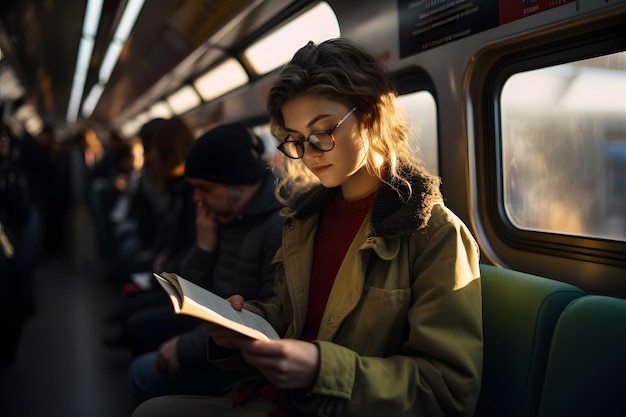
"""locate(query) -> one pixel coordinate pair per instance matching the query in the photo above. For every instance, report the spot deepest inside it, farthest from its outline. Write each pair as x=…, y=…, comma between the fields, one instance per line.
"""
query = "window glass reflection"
x=563, y=132
x=422, y=118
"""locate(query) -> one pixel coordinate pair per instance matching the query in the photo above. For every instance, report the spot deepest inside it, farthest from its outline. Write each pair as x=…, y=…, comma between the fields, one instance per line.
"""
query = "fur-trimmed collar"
x=392, y=214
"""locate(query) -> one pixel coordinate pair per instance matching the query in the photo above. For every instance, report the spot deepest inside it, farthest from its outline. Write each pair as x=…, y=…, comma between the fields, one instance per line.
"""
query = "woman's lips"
x=320, y=169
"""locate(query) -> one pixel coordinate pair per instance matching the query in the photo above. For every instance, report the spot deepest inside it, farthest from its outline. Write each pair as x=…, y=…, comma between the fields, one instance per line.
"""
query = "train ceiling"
x=170, y=42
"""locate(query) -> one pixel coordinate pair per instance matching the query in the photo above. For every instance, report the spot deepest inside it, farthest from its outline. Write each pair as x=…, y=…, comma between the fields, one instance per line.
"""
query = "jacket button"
x=330, y=320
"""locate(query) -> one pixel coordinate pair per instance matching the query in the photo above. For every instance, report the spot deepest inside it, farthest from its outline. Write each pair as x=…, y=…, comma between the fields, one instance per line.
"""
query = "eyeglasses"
x=320, y=141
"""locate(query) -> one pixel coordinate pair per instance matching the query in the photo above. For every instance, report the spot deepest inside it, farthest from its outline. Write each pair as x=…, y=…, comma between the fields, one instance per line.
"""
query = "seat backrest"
x=520, y=312
x=586, y=371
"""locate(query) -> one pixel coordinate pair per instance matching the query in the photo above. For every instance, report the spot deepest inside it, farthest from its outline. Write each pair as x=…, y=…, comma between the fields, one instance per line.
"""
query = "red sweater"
x=340, y=220
x=339, y=223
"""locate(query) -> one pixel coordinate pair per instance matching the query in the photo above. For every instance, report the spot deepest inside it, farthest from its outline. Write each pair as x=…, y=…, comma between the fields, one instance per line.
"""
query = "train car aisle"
x=62, y=367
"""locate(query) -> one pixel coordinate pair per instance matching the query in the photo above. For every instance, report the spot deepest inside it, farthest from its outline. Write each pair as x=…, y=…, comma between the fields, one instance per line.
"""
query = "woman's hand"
x=287, y=363
x=227, y=338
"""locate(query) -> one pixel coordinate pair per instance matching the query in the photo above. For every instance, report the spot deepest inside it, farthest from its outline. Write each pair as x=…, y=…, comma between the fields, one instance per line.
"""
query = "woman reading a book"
x=378, y=293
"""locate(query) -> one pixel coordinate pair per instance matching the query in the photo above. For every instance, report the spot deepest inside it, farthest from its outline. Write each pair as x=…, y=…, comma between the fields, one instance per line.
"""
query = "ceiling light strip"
x=90, y=28
x=112, y=55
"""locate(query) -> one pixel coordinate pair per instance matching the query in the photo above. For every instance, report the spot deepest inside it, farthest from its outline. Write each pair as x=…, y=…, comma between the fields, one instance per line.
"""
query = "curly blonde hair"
x=342, y=71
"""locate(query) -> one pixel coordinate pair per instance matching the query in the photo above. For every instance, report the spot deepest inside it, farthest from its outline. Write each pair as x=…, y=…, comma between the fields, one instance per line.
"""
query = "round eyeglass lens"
x=322, y=141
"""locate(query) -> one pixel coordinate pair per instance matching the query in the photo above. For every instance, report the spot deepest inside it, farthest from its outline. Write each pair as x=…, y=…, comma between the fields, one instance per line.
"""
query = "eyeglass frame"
x=300, y=142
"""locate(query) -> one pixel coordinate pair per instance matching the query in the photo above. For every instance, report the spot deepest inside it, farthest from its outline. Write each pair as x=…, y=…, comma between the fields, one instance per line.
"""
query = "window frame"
x=414, y=79
x=492, y=69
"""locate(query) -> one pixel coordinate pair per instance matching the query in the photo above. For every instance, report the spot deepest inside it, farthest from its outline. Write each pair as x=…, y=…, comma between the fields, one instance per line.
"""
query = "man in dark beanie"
x=238, y=232
x=229, y=154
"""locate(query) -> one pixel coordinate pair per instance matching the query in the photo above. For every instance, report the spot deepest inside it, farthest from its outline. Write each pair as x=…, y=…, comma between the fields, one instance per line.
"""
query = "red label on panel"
x=510, y=10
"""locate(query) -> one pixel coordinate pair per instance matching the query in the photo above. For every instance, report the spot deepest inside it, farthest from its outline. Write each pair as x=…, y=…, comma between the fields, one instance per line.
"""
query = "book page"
x=198, y=302
x=173, y=290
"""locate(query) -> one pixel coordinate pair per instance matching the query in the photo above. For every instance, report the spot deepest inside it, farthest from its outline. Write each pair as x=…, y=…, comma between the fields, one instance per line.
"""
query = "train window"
x=563, y=137
x=132, y=126
x=184, y=99
x=422, y=118
x=225, y=77
x=269, y=141
x=161, y=109
x=317, y=24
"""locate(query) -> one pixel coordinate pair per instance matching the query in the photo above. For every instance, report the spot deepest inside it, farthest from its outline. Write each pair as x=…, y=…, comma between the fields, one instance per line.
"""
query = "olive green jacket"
x=402, y=331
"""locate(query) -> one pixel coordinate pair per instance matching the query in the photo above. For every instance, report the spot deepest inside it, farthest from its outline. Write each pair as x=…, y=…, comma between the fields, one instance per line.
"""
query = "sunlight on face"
x=344, y=165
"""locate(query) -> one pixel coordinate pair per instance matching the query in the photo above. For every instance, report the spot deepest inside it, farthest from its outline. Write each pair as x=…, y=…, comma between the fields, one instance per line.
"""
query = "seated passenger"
x=162, y=206
x=238, y=229
x=160, y=227
x=378, y=290
x=17, y=301
x=111, y=175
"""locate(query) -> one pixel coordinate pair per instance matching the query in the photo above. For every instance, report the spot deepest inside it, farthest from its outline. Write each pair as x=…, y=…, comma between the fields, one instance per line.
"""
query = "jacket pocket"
x=378, y=325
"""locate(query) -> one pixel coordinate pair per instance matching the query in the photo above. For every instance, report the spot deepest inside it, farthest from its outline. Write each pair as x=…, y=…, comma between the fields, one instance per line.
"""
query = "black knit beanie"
x=228, y=154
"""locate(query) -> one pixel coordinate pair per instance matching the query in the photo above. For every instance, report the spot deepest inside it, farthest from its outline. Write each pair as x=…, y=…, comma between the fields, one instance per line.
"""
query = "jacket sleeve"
x=269, y=243
x=437, y=373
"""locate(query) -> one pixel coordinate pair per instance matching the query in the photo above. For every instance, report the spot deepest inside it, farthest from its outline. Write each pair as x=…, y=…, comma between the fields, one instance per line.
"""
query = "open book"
x=193, y=300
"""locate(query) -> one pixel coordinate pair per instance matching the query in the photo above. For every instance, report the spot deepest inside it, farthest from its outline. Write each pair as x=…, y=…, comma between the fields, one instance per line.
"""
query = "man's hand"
x=167, y=361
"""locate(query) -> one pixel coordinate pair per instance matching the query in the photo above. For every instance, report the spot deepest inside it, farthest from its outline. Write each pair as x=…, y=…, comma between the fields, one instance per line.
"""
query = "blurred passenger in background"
x=111, y=176
x=125, y=182
x=52, y=190
x=238, y=232
x=80, y=153
x=114, y=149
x=40, y=158
x=159, y=227
x=16, y=295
